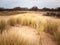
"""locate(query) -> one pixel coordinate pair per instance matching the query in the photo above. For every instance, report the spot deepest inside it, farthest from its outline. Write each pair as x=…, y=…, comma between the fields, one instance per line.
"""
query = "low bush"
x=52, y=14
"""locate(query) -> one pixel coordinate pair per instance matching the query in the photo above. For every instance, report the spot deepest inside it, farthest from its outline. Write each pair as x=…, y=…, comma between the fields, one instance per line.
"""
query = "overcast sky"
x=30, y=3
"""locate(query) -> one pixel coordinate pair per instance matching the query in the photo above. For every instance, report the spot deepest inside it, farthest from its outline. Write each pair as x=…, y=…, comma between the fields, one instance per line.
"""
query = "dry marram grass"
x=51, y=26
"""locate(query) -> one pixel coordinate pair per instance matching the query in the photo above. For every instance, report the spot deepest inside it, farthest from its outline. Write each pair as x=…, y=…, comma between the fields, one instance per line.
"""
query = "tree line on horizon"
x=34, y=8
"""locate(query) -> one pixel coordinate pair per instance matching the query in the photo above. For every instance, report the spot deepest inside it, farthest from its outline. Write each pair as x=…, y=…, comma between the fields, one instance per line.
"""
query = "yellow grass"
x=49, y=25
x=2, y=25
x=12, y=21
x=21, y=37
x=40, y=23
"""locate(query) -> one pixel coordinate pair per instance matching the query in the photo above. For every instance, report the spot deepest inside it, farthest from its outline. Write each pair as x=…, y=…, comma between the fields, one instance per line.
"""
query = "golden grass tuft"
x=12, y=21
x=2, y=25
x=57, y=33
